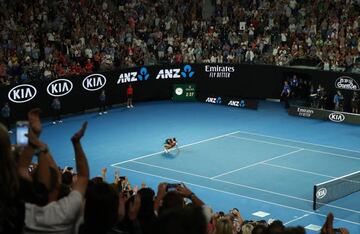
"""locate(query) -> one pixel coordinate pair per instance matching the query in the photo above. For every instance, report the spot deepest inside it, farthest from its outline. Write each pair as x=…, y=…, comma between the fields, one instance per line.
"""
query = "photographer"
x=175, y=216
x=322, y=96
x=172, y=195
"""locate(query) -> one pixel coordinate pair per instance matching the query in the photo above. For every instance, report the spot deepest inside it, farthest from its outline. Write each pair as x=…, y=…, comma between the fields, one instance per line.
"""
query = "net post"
x=314, y=197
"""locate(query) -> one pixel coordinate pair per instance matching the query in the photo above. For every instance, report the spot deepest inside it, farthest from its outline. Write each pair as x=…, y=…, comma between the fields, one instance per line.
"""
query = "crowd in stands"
x=52, y=38
x=41, y=198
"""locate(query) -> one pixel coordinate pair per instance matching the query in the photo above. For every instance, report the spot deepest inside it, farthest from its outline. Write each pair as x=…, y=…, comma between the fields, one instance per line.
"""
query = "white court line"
x=296, y=141
x=238, y=195
x=301, y=217
x=266, y=142
x=299, y=170
x=255, y=164
x=311, y=150
x=183, y=146
x=329, y=153
x=169, y=169
x=247, y=186
x=214, y=178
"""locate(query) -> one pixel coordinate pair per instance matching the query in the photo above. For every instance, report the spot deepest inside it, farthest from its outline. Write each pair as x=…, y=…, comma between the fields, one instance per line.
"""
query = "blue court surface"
x=263, y=162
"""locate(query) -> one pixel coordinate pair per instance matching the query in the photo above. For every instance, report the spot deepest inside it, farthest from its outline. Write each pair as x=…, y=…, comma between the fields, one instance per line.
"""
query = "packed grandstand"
x=48, y=39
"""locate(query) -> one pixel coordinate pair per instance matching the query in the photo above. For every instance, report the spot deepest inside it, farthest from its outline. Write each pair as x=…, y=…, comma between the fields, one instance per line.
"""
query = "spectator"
x=56, y=106
x=11, y=204
x=328, y=227
x=273, y=36
x=146, y=215
x=223, y=226
x=101, y=208
x=60, y=216
x=5, y=114
x=102, y=99
x=182, y=220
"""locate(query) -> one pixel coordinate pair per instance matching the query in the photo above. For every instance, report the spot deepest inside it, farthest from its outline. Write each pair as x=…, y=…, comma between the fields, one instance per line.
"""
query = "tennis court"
x=244, y=163
x=265, y=162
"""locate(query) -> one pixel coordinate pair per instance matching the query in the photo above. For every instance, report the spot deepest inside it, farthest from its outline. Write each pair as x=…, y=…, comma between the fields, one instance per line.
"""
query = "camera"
x=172, y=187
x=22, y=129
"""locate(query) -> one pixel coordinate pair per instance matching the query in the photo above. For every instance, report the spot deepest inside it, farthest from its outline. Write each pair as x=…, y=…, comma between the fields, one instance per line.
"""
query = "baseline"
x=180, y=147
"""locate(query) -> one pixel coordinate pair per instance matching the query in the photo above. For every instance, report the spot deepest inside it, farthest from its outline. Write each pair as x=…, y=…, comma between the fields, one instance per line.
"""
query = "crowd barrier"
x=239, y=81
x=329, y=115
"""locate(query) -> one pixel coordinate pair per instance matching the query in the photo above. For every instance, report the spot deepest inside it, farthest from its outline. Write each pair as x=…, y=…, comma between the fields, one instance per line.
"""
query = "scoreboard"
x=184, y=92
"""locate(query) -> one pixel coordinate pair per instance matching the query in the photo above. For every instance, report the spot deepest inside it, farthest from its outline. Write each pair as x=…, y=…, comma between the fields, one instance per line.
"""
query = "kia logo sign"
x=22, y=93
x=59, y=87
x=321, y=193
x=94, y=82
x=337, y=117
x=348, y=83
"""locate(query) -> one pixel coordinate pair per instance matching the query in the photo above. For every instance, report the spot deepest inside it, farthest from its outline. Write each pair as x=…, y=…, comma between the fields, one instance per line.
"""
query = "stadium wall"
x=80, y=93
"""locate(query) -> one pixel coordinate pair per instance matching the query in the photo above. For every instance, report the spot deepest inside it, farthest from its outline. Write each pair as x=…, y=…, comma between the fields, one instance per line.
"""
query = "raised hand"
x=183, y=190
x=34, y=141
x=34, y=121
x=103, y=170
x=78, y=135
x=161, y=190
x=134, y=207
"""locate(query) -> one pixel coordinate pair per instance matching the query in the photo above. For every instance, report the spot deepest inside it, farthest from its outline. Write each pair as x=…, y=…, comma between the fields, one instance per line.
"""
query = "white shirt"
x=88, y=53
x=292, y=27
x=58, y=217
x=326, y=66
x=292, y=4
x=249, y=56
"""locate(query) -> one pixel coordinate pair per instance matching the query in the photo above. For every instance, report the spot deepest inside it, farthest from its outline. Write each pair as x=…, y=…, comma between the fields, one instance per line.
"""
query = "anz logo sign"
x=175, y=73
x=237, y=103
x=127, y=77
x=215, y=100
x=94, y=82
x=60, y=87
x=22, y=93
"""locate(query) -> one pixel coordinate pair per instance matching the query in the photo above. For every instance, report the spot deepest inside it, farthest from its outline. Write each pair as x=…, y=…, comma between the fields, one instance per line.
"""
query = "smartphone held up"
x=22, y=129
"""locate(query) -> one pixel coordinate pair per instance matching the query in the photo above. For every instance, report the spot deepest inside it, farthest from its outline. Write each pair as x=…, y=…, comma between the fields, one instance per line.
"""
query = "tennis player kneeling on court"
x=170, y=143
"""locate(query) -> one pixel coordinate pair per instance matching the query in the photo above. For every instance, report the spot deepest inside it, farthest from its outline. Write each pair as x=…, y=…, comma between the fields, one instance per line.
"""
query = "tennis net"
x=335, y=189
